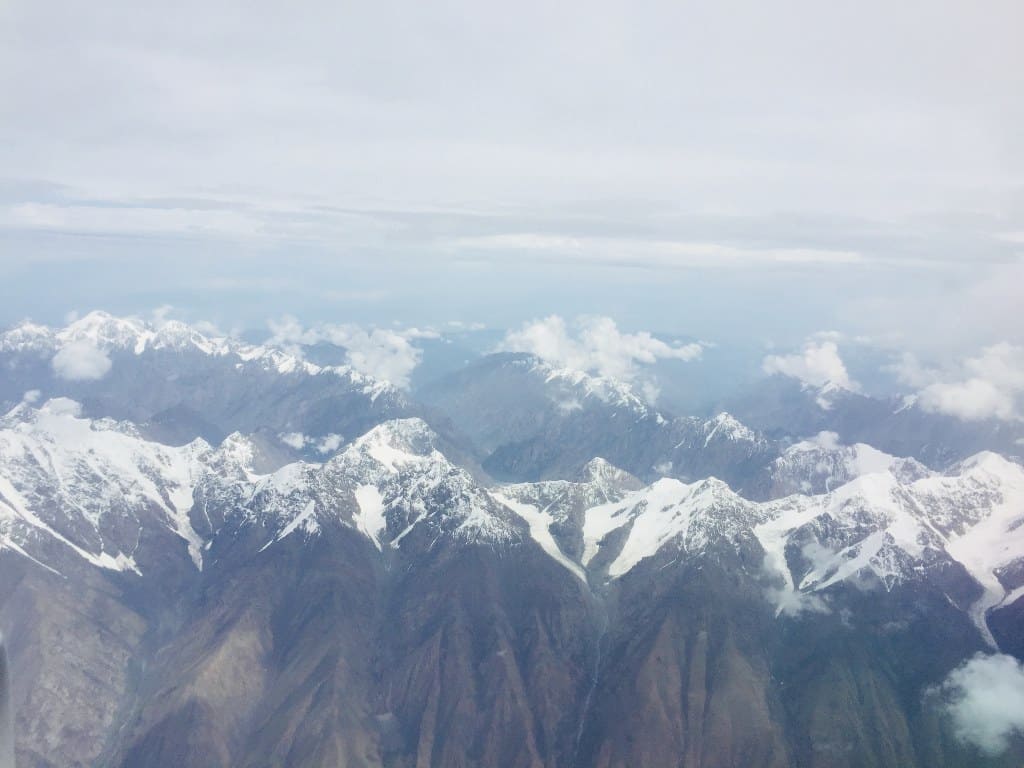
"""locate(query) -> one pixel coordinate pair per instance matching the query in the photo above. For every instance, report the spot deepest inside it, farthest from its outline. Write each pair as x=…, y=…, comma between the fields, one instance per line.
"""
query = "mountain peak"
x=396, y=439
x=599, y=470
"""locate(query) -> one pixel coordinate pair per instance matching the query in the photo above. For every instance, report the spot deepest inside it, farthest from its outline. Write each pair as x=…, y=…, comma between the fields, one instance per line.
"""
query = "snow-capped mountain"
x=784, y=408
x=890, y=524
x=390, y=484
x=177, y=383
x=530, y=421
x=820, y=463
x=98, y=488
x=107, y=334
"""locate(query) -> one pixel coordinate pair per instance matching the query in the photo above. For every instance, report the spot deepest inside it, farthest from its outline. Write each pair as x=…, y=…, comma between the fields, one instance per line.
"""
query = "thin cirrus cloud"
x=595, y=345
x=656, y=254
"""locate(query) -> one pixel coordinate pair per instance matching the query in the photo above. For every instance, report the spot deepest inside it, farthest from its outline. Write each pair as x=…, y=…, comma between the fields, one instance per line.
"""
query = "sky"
x=724, y=171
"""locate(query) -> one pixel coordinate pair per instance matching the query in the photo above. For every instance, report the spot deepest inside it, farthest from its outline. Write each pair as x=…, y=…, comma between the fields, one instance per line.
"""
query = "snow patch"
x=370, y=519
x=540, y=522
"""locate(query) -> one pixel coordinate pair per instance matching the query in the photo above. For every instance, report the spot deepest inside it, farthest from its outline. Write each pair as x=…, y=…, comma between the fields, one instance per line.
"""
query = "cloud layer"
x=595, y=345
x=985, y=699
x=80, y=361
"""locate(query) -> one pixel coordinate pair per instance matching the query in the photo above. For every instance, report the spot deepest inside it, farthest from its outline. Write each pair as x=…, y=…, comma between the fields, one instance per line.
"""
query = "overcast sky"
x=721, y=169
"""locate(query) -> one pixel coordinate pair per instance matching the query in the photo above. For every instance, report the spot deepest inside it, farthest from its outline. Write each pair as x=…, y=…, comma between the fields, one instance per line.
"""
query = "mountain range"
x=215, y=553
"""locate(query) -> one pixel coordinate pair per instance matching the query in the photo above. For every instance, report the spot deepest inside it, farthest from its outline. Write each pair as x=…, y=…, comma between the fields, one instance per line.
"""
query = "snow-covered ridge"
x=728, y=427
x=99, y=490
x=387, y=483
x=579, y=386
x=691, y=515
x=888, y=524
x=821, y=463
x=108, y=333
x=92, y=485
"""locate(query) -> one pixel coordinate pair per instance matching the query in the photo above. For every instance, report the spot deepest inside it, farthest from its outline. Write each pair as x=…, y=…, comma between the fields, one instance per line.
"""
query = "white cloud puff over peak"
x=595, y=345
x=817, y=364
x=383, y=353
x=80, y=361
x=987, y=386
x=984, y=698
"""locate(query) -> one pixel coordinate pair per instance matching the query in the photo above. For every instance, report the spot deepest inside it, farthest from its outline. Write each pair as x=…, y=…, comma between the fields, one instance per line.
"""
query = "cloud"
x=80, y=361
x=817, y=364
x=989, y=385
x=326, y=444
x=596, y=345
x=62, y=406
x=985, y=699
x=130, y=220
x=652, y=254
x=383, y=353
x=329, y=443
x=294, y=440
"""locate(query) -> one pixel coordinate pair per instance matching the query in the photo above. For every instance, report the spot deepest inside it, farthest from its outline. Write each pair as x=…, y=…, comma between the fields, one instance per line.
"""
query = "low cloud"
x=984, y=698
x=295, y=440
x=62, y=406
x=596, y=345
x=80, y=361
x=382, y=353
x=817, y=364
x=323, y=445
x=988, y=386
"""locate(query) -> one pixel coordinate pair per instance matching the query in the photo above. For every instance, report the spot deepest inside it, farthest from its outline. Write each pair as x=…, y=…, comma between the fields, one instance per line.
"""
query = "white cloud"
x=329, y=443
x=985, y=699
x=31, y=396
x=383, y=353
x=817, y=364
x=990, y=385
x=62, y=406
x=131, y=220
x=294, y=440
x=326, y=444
x=80, y=361
x=461, y=325
x=596, y=346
